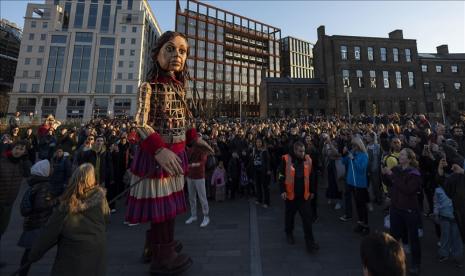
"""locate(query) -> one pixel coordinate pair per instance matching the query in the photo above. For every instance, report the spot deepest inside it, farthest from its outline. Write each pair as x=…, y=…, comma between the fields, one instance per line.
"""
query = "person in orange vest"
x=294, y=180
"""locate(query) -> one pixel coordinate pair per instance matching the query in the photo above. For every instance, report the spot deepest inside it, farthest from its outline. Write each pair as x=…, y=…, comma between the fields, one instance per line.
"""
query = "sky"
x=431, y=23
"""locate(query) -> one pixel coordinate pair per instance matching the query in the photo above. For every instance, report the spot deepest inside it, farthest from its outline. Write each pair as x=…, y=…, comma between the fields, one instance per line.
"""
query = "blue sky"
x=431, y=23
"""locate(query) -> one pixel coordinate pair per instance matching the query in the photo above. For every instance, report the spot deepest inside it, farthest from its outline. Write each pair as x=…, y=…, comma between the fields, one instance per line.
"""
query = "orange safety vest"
x=290, y=177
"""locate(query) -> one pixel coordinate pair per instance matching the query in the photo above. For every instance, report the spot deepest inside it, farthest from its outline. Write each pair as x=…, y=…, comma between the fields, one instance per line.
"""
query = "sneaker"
x=439, y=244
x=442, y=259
x=345, y=218
x=420, y=232
x=112, y=211
x=458, y=263
x=191, y=220
x=337, y=206
x=205, y=222
x=265, y=206
x=132, y=224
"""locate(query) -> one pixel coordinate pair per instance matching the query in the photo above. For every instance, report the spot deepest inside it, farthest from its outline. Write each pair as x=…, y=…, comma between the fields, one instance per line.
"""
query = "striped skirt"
x=158, y=197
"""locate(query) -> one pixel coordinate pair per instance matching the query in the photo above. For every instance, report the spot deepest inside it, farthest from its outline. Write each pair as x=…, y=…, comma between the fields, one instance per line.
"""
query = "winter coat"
x=356, y=173
x=104, y=175
x=405, y=185
x=234, y=169
x=61, y=173
x=261, y=161
x=47, y=146
x=80, y=237
x=12, y=171
x=37, y=203
x=454, y=186
x=68, y=144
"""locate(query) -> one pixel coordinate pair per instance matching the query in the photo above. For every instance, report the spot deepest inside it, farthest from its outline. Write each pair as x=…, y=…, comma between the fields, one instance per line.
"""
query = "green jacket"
x=80, y=237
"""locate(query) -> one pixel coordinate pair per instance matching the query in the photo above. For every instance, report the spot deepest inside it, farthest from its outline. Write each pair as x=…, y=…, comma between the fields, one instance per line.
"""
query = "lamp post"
x=348, y=91
x=441, y=97
x=240, y=99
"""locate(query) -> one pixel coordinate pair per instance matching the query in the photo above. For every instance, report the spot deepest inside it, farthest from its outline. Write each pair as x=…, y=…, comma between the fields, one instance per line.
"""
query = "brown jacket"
x=12, y=171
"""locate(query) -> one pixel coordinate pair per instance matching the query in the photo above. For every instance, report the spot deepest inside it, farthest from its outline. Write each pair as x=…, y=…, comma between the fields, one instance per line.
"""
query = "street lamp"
x=240, y=99
x=441, y=97
x=348, y=91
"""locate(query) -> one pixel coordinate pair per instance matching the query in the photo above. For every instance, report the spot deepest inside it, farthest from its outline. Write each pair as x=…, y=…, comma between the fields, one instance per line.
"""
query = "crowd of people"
x=395, y=165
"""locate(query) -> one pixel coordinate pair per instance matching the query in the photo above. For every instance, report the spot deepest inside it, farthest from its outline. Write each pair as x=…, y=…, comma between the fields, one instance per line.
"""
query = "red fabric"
x=43, y=130
x=152, y=143
x=196, y=155
x=191, y=136
x=133, y=137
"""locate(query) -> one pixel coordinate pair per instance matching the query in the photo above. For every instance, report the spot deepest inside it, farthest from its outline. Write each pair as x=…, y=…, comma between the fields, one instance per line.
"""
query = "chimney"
x=396, y=34
x=443, y=49
x=321, y=31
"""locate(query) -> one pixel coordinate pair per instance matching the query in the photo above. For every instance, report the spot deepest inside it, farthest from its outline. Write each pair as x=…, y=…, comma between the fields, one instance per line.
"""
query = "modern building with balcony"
x=229, y=56
x=83, y=59
x=296, y=58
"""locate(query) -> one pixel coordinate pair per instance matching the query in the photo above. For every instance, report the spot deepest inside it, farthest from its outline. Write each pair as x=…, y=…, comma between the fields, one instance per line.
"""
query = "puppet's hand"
x=169, y=161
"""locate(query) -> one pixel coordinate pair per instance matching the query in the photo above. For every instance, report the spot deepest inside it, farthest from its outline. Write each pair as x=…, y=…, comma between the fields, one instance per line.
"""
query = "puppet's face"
x=173, y=54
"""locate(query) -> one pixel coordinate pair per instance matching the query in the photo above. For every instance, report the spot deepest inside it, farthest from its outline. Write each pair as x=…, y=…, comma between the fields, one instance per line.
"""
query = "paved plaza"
x=242, y=239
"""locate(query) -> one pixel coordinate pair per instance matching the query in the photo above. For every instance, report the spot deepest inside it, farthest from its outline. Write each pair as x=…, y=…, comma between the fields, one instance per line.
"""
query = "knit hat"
x=191, y=136
x=41, y=168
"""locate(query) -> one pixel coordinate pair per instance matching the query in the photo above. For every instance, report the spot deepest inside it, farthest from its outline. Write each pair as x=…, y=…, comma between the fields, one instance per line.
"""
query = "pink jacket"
x=218, y=177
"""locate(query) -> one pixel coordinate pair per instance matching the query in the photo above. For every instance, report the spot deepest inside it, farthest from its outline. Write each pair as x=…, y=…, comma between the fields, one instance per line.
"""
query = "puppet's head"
x=169, y=56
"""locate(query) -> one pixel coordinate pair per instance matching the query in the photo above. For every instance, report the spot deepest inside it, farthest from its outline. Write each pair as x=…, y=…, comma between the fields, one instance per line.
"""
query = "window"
x=134, y=29
x=133, y=41
x=398, y=79
x=118, y=89
x=386, y=79
x=80, y=69
x=49, y=106
x=104, y=70
x=120, y=63
x=345, y=77
x=357, y=52
x=39, y=61
x=344, y=52
x=123, y=29
x=383, y=54
x=31, y=36
x=25, y=74
x=411, y=79
x=372, y=79
x=92, y=19
x=27, y=61
x=370, y=53
x=26, y=105
x=457, y=86
x=105, y=21
x=128, y=89
x=439, y=68
x=29, y=48
x=395, y=54
x=23, y=87
x=75, y=108
x=59, y=39
x=43, y=36
x=35, y=88
x=33, y=24
x=109, y=41
x=132, y=52
x=360, y=82
x=131, y=64
x=79, y=15
x=44, y=25
x=37, y=74
x=54, y=69
x=130, y=76
x=424, y=68
x=121, y=52
x=84, y=37
x=123, y=40
x=408, y=55
x=427, y=86
x=454, y=68
x=130, y=4
x=41, y=49
x=66, y=15
x=119, y=76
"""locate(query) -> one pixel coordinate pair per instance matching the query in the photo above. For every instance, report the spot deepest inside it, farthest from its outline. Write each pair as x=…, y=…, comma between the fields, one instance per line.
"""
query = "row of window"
x=27, y=61
x=439, y=68
x=373, y=80
x=43, y=37
x=370, y=53
x=457, y=86
x=34, y=24
x=23, y=88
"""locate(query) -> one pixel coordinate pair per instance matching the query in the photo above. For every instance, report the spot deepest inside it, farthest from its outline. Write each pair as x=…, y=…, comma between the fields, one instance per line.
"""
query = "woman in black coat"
x=62, y=171
x=262, y=172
